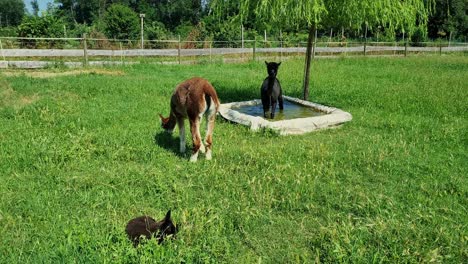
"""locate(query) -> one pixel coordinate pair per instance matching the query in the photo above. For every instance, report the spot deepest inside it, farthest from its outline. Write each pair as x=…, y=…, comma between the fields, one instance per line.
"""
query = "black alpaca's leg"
x=273, y=108
x=266, y=106
x=280, y=101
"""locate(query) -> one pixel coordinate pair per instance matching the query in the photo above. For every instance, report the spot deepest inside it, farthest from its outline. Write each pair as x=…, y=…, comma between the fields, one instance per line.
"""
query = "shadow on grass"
x=168, y=142
x=236, y=94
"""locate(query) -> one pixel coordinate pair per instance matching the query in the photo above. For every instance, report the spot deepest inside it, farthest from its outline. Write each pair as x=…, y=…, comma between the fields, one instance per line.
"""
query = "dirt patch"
x=49, y=74
x=10, y=98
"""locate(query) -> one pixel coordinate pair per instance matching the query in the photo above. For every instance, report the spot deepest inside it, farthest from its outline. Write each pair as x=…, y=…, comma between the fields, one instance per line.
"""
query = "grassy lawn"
x=80, y=155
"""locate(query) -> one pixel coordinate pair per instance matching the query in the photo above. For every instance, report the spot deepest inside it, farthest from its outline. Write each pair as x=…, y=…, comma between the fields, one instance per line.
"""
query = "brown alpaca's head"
x=166, y=123
x=166, y=228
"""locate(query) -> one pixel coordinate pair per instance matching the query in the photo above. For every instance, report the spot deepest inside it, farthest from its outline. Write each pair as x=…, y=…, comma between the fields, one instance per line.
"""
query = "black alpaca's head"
x=272, y=69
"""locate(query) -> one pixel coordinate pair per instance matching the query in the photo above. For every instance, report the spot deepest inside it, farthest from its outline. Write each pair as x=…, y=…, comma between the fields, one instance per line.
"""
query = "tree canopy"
x=404, y=15
x=221, y=19
x=11, y=12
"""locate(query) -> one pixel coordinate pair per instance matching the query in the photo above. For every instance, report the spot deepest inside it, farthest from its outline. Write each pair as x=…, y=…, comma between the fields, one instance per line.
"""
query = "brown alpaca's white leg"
x=202, y=145
x=196, y=138
x=180, y=123
x=210, y=122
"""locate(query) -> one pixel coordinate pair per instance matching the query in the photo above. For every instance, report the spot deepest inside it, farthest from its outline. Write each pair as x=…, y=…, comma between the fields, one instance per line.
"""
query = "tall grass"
x=81, y=155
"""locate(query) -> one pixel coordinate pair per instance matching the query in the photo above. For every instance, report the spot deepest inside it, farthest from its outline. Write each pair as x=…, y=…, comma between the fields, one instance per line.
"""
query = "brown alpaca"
x=193, y=99
x=145, y=226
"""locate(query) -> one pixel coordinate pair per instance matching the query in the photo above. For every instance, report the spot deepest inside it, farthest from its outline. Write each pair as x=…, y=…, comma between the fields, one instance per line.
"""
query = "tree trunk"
x=308, y=59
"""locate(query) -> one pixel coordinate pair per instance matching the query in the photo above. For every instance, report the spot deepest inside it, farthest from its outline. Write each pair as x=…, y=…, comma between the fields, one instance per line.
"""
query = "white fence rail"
x=120, y=51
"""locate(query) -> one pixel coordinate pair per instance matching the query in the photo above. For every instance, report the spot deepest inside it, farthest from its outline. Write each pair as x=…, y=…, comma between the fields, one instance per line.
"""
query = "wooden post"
x=85, y=50
x=281, y=45
x=178, y=50
x=315, y=44
x=211, y=52
x=450, y=38
x=440, y=49
x=142, y=16
x=406, y=48
x=242, y=35
x=308, y=59
x=121, y=52
x=254, y=47
x=3, y=54
x=365, y=41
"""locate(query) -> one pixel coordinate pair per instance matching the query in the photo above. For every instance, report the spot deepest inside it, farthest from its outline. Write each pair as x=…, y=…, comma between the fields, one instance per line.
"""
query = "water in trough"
x=291, y=111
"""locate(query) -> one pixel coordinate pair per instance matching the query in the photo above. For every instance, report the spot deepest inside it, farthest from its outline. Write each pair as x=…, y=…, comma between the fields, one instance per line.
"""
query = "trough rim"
x=333, y=117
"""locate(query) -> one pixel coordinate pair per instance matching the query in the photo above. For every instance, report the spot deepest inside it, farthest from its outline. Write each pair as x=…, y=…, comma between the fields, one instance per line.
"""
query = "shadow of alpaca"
x=168, y=142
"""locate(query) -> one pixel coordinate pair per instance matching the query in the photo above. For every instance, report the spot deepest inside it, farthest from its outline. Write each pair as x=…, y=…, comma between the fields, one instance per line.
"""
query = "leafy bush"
x=46, y=26
x=156, y=31
x=121, y=22
x=419, y=36
x=8, y=32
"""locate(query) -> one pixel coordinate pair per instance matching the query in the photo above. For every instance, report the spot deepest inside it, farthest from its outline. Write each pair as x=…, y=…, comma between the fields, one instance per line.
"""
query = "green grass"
x=82, y=155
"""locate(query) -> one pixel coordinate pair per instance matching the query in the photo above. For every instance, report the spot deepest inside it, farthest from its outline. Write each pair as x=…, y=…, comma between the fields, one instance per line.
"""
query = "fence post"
x=406, y=48
x=178, y=50
x=365, y=42
x=254, y=47
x=121, y=52
x=315, y=44
x=3, y=54
x=85, y=50
x=211, y=52
x=440, y=48
x=281, y=45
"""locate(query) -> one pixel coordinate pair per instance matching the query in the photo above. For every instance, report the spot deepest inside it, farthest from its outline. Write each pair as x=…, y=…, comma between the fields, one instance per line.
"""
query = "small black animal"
x=145, y=226
x=271, y=90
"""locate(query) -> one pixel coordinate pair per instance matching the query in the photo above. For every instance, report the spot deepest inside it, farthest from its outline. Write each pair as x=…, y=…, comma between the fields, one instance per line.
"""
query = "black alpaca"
x=271, y=90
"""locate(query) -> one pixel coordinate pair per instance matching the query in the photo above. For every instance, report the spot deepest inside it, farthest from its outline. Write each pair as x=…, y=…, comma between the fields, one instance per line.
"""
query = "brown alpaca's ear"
x=163, y=119
x=167, y=218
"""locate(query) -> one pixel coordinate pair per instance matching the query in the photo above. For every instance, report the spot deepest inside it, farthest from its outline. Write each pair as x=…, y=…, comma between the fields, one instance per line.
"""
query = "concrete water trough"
x=298, y=116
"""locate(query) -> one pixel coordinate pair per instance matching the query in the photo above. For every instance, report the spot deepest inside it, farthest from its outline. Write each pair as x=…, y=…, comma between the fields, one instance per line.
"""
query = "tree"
x=121, y=22
x=35, y=7
x=11, y=12
x=81, y=11
x=450, y=17
x=392, y=15
x=170, y=12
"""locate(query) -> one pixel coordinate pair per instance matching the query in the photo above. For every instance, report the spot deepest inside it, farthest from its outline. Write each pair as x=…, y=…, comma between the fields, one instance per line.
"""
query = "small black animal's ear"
x=266, y=63
x=168, y=216
x=279, y=64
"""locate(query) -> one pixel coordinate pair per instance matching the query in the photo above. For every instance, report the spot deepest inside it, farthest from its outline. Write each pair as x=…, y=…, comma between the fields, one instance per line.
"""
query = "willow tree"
x=403, y=15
